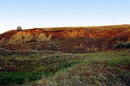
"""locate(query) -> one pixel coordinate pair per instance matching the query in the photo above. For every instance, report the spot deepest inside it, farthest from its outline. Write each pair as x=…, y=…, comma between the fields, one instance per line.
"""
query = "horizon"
x=66, y=13
x=65, y=27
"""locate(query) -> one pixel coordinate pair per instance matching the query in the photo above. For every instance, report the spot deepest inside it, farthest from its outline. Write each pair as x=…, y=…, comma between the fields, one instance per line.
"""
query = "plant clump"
x=19, y=28
x=122, y=45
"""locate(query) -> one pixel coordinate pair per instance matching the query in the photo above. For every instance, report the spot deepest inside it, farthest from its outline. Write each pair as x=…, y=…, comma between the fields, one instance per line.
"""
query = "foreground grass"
x=18, y=69
x=96, y=69
x=61, y=69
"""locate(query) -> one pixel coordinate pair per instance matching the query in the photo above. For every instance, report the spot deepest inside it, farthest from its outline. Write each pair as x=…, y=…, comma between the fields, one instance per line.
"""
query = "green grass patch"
x=18, y=77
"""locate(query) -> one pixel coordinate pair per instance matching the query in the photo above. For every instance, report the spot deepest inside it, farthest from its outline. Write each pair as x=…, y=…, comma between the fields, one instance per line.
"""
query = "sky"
x=62, y=13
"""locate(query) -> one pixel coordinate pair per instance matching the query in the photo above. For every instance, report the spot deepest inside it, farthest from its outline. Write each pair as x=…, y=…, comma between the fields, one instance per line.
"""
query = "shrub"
x=53, y=46
x=121, y=45
x=19, y=28
x=127, y=45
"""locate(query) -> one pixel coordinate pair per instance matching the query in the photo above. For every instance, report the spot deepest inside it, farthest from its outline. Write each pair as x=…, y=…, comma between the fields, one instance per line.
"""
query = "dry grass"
x=95, y=69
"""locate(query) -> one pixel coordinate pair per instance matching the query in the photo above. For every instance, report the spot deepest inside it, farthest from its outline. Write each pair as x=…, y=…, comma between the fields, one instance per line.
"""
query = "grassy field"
x=48, y=68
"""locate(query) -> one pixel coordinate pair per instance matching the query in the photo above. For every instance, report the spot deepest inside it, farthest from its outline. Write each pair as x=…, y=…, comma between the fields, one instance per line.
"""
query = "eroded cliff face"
x=76, y=37
x=26, y=36
x=40, y=35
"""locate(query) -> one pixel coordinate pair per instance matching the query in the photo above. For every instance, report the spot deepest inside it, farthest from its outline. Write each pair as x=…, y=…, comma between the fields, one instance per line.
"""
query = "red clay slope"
x=66, y=32
x=111, y=33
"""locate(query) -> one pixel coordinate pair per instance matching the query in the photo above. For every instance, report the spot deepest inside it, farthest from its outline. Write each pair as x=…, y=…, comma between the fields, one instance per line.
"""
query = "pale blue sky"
x=60, y=13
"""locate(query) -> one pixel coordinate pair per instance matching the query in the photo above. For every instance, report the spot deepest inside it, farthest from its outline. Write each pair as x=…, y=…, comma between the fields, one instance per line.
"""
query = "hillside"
x=66, y=56
x=62, y=38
